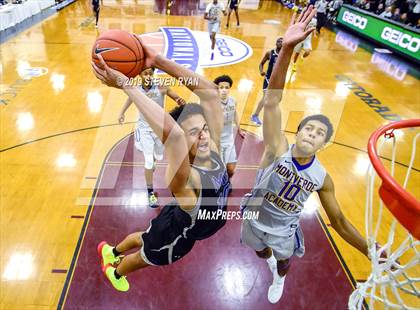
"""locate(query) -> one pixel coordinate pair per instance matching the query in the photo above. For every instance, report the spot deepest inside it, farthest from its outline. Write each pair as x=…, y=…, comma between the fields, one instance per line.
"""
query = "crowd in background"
x=402, y=11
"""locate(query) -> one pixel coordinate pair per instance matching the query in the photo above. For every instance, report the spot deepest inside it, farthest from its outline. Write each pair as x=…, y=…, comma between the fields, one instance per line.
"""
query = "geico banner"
x=392, y=35
x=355, y=20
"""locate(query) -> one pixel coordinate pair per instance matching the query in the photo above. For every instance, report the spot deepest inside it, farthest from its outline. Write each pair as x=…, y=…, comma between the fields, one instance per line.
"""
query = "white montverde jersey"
x=156, y=95
x=229, y=113
x=280, y=192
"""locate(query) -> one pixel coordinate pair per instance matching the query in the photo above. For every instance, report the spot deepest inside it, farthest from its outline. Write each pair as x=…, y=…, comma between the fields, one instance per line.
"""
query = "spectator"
x=403, y=18
x=337, y=4
x=359, y=3
x=397, y=15
x=389, y=3
x=380, y=9
x=402, y=5
x=374, y=5
x=410, y=14
x=416, y=12
x=387, y=13
x=411, y=4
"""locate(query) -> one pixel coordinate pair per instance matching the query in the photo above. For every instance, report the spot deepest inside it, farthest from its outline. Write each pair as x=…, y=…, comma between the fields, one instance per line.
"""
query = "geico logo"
x=223, y=48
x=403, y=40
x=390, y=66
x=351, y=46
x=355, y=20
x=347, y=43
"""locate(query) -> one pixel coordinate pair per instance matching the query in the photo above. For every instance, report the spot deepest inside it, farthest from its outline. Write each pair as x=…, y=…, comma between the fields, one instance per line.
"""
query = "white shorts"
x=283, y=247
x=306, y=45
x=147, y=142
x=214, y=27
x=228, y=153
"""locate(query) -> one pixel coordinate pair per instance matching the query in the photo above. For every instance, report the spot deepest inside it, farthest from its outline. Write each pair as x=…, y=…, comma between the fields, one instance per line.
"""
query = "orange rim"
x=404, y=206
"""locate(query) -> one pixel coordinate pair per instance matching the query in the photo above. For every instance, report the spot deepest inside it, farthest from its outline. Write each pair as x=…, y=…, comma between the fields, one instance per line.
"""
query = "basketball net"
x=394, y=280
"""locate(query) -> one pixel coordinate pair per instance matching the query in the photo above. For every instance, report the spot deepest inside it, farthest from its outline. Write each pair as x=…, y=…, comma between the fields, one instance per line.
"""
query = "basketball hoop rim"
x=387, y=179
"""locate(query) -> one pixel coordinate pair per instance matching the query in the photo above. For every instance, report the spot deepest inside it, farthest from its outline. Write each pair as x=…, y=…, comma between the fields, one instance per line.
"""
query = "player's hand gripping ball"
x=121, y=51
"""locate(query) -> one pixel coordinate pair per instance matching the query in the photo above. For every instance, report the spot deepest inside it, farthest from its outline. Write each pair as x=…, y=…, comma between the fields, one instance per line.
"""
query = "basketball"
x=120, y=50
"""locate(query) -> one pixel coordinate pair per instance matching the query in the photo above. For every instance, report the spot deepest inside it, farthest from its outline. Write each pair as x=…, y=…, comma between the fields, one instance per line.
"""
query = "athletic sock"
x=117, y=276
x=115, y=252
x=150, y=190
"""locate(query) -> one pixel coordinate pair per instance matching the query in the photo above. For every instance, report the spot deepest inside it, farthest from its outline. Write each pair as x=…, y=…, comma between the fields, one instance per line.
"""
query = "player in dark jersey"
x=195, y=175
x=233, y=5
x=271, y=57
x=96, y=8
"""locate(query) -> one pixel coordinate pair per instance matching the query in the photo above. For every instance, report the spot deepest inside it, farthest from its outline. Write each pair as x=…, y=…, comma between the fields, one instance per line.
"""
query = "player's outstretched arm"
x=205, y=89
x=274, y=140
x=162, y=124
x=338, y=221
x=121, y=117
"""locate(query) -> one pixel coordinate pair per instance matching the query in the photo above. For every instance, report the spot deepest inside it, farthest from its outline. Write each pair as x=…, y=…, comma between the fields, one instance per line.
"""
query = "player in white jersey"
x=288, y=175
x=145, y=140
x=306, y=46
x=213, y=15
x=227, y=139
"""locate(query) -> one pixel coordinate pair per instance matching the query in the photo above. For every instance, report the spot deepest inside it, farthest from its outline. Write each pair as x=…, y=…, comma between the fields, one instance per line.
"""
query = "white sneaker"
x=275, y=291
x=272, y=264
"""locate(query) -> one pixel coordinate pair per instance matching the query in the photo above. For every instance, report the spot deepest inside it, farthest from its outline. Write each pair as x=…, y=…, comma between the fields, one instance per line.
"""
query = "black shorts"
x=164, y=242
x=265, y=84
x=233, y=5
